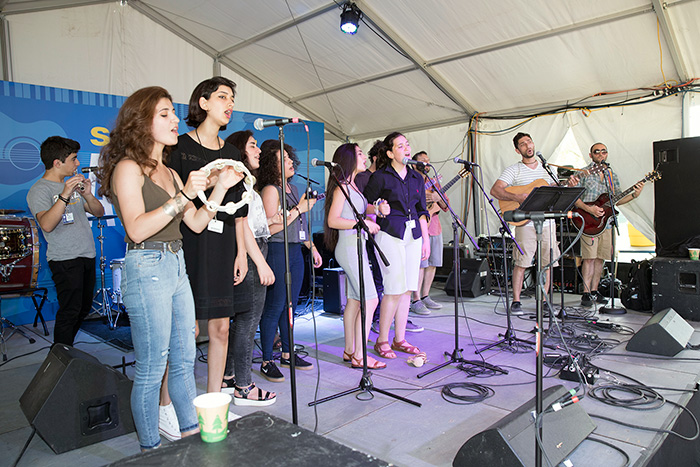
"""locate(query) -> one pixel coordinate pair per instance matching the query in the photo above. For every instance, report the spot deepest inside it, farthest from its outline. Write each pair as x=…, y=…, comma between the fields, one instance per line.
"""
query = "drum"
x=19, y=253
x=116, y=265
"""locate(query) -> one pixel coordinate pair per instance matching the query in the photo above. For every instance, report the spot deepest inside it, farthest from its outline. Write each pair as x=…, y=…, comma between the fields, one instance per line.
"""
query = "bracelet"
x=65, y=200
x=297, y=208
x=186, y=197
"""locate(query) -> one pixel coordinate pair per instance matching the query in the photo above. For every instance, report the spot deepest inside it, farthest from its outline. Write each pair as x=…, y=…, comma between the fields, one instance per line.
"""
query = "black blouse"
x=406, y=198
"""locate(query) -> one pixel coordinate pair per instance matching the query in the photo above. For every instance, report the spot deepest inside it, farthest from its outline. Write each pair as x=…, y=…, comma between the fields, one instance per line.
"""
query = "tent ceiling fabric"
x=430, y=63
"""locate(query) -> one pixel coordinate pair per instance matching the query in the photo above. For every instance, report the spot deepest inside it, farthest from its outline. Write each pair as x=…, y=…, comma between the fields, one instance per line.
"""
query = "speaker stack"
x=74, y=400
x=474, y=277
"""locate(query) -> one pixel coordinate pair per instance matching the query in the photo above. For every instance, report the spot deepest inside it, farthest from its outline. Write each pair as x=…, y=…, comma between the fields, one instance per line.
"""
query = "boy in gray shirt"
x=59, y=205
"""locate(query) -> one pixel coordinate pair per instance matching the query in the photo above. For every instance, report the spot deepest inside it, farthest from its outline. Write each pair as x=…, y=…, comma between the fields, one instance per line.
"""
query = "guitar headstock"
x=653, y=176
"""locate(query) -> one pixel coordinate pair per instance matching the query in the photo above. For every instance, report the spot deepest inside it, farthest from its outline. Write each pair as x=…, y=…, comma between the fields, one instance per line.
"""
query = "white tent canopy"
x=421, y=67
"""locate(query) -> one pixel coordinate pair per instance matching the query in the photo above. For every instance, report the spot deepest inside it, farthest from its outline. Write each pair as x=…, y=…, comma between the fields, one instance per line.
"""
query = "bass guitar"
x=507, y=205
x=594, y=226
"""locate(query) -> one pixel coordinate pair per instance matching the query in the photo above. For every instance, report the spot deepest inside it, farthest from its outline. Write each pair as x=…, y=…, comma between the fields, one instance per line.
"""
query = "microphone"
x=517, y=215
x=457, y=160
x=408, y=161
x=315, y=162
x=260, y=124
x=89, y=169
x=539, y=154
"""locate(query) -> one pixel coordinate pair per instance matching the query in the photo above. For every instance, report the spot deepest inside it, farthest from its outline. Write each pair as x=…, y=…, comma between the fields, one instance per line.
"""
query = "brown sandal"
x=346, y=356
x=377, y=365
x=384, y=353
x=404, y=346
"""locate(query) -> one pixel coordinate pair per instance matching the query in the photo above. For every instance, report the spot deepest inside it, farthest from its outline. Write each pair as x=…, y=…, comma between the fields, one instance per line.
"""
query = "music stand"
x=545, y=202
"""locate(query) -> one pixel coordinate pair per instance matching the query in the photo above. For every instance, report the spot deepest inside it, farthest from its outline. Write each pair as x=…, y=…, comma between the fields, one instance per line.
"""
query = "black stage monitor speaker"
x=334, y=296
x=666, y=333
x=675, y=283
x=511, y=441
x=74, y=400
x=474, y=277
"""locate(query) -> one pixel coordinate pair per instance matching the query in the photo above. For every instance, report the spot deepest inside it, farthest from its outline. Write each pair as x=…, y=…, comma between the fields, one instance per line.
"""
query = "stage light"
x=350, y=18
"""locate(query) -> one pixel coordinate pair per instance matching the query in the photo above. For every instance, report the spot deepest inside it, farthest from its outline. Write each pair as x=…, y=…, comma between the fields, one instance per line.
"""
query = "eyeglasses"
x=599, y=151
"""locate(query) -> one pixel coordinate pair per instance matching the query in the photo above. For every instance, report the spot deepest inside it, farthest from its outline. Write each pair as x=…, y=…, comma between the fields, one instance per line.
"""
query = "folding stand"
x=34, y=293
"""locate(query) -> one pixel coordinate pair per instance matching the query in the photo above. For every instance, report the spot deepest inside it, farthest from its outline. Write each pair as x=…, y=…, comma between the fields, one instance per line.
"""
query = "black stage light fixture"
x=350, y=18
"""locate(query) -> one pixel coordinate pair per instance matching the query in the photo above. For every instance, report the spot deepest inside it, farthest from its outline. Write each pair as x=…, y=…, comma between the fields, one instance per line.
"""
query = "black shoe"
x=271, y=372
x=228, y=385
x=599, y=297
x=299, y=363
x=586, y=300
x=516, y=308
x=546, y=308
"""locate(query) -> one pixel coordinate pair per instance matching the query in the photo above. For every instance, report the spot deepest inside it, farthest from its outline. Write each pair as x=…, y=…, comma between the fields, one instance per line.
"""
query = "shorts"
x=526, y=237
x=404, y=262
x=599, y=247
x=435, y=258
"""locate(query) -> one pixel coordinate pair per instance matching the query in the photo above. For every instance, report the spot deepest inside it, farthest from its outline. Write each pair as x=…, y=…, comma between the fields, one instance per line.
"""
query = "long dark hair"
x=382, y=159
x=240, y=140
x=195, y=113
x=131, y=137
x=269, y=171
x=346, y=158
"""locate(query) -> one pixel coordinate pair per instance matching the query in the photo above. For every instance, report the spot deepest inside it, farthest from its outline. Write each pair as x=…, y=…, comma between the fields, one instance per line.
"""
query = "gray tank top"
x=297, y=225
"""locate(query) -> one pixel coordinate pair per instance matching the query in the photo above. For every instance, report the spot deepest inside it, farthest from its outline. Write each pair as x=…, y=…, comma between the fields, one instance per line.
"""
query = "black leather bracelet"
x=65, y=200
x=186, y=197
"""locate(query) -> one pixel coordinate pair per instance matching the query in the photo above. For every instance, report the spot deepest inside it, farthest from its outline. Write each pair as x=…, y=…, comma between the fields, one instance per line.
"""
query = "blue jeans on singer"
x=158, y=298
x=275, y=311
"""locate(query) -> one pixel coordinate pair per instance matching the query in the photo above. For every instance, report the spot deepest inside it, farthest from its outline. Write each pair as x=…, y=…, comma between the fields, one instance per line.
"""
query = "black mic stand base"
x=365, y=386
x=612, y=310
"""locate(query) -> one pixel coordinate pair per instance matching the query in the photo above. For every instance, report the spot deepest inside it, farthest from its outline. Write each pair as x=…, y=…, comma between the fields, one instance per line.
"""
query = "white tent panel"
x=685, y=19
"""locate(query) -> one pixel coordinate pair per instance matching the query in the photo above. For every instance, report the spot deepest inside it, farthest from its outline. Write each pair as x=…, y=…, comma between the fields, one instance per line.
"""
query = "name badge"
x=216, y=226
x=302, y=235
x=68, y=218
x=410, y=224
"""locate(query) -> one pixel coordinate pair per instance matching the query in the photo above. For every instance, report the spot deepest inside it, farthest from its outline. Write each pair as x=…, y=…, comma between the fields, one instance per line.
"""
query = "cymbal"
x=103, y=218
x=5, y=212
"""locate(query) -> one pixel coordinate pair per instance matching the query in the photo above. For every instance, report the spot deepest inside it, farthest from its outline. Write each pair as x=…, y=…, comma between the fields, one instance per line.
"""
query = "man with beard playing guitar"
x=512, y=187
x=596, y=250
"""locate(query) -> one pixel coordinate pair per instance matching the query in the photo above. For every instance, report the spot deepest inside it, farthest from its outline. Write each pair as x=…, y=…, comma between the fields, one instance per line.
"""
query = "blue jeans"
x=158, y=298
x=275, y=311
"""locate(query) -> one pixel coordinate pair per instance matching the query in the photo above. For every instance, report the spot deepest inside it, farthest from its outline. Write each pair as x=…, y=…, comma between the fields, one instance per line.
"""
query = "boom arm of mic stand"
x=455, y=217
x=504, y=224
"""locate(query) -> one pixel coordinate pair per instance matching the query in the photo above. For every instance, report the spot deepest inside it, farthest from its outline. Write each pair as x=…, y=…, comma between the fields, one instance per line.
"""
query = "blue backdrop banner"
x=29, y=114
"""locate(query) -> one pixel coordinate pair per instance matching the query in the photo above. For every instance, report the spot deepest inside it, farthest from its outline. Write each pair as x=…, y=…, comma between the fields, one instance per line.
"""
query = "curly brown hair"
x=382, y=159
x=269, y=171
x=131, y=137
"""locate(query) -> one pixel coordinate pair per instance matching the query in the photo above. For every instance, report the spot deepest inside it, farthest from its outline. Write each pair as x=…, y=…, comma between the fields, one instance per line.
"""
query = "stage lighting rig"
x=350, y=18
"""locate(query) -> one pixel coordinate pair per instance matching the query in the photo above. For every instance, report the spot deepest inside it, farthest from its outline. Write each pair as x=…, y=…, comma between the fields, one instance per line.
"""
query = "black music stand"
x=545, y=202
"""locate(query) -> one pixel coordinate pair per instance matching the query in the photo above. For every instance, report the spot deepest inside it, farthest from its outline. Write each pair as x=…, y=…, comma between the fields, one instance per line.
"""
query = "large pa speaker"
x=666, y=333
x=511, y=441
x=675, y=221
x=74, y=400
x=334, y=296
x=675, y=283
x=474, y=277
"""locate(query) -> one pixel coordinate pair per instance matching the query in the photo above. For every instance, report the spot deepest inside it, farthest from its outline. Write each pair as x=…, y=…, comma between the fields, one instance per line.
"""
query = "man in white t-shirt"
x=527, y=173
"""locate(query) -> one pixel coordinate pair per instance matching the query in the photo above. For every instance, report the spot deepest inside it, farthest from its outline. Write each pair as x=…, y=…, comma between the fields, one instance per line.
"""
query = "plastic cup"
x=212, y=414
x=694, y=253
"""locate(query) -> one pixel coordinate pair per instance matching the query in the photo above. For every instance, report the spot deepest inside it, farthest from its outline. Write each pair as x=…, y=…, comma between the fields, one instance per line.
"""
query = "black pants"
x=75, y=282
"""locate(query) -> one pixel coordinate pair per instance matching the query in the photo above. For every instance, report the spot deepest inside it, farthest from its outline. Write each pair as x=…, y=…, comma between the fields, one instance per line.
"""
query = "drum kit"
x=108, y=302
x=19, y=268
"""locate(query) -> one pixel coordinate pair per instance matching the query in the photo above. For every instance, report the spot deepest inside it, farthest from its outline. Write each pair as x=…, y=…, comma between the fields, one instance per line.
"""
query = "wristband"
x=186, y=197
x=65, y=200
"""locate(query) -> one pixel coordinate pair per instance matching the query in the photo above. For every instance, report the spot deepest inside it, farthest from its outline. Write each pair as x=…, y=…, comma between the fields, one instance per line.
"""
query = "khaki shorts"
x=599, y=247
x=526, y=237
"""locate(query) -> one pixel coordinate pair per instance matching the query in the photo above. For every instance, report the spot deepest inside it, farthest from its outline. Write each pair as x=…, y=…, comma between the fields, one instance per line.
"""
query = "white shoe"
x=419, y=308
x=168, y=426
x=432, y=304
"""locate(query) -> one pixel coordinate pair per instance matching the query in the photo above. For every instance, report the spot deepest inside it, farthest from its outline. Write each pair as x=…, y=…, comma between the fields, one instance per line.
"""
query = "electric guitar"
x=594, y=226
x=507, y=205
x=430, y=184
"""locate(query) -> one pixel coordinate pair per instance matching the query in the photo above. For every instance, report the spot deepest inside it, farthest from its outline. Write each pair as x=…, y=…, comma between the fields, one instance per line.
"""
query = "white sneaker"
x=168, y=426
x=419, y=308
x=432, y=304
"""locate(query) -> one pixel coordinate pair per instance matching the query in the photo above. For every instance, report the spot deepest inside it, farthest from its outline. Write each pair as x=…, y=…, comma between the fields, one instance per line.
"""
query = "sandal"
x=376, y=365
x=404, y=346
x=264, y=397
x=346, y=356
x=384, y=353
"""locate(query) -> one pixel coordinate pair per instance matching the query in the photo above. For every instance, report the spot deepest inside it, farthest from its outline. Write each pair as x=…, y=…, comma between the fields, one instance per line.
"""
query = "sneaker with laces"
x=299, y=363
x=432, y=304
x=419, y=308
x=586, y=299
x=228, y=385
x=516, y=309
x=168, y=426
x=410, y=327
x=271, y=372
x=599, y=297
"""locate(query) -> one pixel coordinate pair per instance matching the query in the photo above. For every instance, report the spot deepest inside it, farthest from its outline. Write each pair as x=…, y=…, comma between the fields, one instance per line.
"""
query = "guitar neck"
x=619, y=196
x=449, y=184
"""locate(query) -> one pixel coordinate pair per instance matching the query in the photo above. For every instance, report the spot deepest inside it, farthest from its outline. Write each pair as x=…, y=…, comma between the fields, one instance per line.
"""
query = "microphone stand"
x=612, y=309
x=288, y=283
x=366, y=385
x=456, y=355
